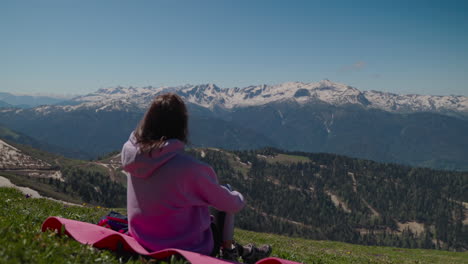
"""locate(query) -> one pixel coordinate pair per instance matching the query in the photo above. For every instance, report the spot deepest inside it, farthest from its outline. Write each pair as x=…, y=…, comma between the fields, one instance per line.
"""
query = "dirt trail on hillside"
x=4, y=182
x=337, y=201
x=109, y=169
x=374, y=212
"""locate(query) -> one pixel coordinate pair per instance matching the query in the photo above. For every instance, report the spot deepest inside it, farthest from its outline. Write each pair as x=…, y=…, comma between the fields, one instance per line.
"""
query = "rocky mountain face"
x=329, y=117
x=13, y=158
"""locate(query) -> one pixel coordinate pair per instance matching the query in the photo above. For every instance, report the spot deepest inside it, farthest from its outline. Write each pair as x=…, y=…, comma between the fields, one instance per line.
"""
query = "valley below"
x=299, y=194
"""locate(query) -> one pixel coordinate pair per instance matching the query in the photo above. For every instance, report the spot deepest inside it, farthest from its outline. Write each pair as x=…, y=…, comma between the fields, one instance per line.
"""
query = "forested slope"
x=323, y=196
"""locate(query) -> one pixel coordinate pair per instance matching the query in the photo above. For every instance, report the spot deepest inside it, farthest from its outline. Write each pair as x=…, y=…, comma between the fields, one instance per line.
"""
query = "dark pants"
x=217, y=227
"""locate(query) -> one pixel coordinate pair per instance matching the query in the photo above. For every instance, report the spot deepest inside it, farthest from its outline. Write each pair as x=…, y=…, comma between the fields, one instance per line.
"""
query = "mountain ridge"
x=327, y=117
x=212, y=96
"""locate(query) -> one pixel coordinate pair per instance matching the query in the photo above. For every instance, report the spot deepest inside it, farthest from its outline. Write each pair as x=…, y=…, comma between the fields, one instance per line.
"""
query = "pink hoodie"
x=168, y=195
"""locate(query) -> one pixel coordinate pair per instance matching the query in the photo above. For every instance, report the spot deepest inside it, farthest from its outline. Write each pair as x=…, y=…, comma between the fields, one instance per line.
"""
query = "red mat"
x=105, y=238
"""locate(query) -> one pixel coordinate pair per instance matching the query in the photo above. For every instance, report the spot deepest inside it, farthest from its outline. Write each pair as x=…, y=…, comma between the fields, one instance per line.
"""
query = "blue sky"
x=76, y=47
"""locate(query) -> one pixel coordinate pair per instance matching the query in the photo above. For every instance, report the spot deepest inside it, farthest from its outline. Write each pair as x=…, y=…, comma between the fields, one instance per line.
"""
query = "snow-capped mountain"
x=313, y=117
x=210, y=95
x=413, y=102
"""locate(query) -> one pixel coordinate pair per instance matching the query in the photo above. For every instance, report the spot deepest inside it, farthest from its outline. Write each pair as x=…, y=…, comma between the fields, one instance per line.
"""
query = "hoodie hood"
x=143, y=165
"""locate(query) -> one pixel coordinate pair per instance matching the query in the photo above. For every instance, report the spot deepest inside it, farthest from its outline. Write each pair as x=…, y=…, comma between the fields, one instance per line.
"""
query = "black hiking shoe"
x=252, y=254
x=231, y=253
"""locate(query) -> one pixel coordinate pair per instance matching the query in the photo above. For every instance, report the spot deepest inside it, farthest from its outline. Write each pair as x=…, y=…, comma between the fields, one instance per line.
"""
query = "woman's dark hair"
x=166, y=118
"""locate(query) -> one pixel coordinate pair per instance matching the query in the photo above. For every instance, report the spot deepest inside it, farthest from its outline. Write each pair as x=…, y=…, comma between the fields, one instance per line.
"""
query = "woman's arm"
x=220, y=197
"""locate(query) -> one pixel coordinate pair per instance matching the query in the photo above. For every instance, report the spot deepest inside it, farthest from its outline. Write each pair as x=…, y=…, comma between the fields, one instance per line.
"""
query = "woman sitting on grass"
x=169, y=192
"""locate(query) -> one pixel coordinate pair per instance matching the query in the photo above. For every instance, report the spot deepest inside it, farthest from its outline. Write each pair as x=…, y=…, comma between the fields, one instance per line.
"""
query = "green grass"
x=22, y=241
x=324, y=252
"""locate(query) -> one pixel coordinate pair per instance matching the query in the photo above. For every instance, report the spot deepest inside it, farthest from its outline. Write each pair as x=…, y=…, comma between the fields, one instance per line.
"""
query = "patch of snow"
x=328, y=124
x=394, y=102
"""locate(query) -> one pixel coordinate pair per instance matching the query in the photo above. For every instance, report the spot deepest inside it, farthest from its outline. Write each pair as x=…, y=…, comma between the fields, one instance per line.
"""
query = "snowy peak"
x=329, y=85
x=211, y=96
x=326, y=91
x=413, y=102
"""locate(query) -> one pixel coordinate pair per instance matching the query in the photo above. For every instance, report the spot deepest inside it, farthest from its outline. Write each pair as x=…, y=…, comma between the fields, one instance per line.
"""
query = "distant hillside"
x=19, y=138
x=61, y=178
x=416, y=139
x=324, y=196
x=90, y=133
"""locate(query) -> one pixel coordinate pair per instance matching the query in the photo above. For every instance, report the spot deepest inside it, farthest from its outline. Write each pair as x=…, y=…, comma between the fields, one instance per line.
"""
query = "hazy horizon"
x=56, y=47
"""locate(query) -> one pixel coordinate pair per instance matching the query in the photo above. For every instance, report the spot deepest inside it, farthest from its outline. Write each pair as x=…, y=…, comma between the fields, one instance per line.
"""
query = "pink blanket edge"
x=100, y=237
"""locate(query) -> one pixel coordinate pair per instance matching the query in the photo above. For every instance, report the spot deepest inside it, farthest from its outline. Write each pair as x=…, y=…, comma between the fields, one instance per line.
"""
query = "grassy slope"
x=23, y=242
